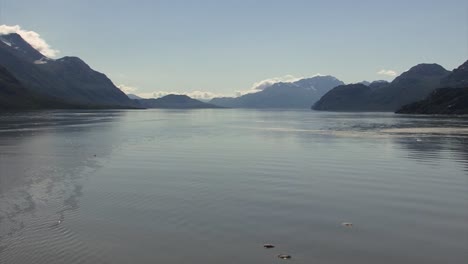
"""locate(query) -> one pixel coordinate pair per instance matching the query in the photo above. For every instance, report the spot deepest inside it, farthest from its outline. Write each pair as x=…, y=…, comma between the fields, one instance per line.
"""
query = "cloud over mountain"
x=261, y=85
x=200, y=95
x=203, y=95
x=127, y=89
x=33, y=38
x=390, y=73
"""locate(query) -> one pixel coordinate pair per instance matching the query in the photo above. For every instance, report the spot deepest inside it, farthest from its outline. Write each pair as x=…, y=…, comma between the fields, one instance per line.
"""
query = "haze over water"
x=212, y=186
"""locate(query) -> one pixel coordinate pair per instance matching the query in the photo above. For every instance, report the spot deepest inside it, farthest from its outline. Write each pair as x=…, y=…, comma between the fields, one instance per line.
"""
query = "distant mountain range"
x=411, y=86
x=30, y=80
x=299, y=94
x=173, y=101
x=68, y=79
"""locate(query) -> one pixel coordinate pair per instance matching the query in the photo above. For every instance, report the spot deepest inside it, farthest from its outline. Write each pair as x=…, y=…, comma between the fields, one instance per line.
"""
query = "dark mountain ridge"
x=14, y=96
x=413, y=85
x=24, y=50
x=444, y=101
x=68, y=79
x=458, y=78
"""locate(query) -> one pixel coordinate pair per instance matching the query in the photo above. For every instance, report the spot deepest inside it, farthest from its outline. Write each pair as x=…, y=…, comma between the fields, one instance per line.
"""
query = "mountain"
x=458, y=77
x=375, y=84
x=68, y=79
x=133, y=96
x=444, y=101
x=173, y=101
x=452, y=100
x=411, y=86
x=23, y=49
x=349, y=97
x=14, y=96
x=378, y=84
x=300, y=94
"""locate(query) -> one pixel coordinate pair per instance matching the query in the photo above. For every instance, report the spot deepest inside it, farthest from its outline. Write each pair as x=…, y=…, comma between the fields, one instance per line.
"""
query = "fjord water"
x=211, y=186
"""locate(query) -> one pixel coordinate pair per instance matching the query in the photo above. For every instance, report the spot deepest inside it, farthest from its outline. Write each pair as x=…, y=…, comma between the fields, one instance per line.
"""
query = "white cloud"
x=33, y=38
x=206, y=95
x=390, y=73
x=261, y=85
x=244, y=92
x=201, y=95
x=127, y=89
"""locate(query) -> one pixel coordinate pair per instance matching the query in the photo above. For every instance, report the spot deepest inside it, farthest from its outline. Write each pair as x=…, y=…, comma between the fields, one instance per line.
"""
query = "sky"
x=209, y=48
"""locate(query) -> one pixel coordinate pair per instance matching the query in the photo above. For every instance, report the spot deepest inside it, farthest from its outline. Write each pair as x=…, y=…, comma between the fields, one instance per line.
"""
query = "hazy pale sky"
x=222, y=46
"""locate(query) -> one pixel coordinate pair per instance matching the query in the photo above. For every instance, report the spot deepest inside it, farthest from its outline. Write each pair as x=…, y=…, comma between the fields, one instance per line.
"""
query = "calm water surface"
x=211, y=186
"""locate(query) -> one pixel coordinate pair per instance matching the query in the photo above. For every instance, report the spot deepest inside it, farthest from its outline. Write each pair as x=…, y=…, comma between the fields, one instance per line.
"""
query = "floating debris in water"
x=347, y=224
x=56, y=223
x=268, y=246
x=284, y=256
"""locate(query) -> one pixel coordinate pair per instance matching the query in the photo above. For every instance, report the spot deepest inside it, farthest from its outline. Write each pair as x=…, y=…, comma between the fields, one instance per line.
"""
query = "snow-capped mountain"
x=300, y=94
x=69, y=79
